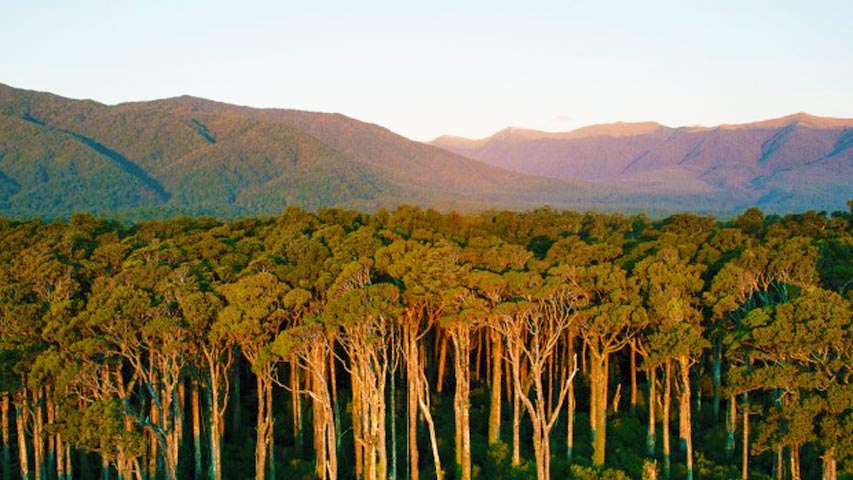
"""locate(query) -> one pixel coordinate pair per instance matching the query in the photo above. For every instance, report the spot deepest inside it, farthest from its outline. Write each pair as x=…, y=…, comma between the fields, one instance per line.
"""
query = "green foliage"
x=88, y=308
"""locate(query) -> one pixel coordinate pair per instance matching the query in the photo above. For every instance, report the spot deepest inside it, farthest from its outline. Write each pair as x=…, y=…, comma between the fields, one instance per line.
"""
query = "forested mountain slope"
x=791, y=163
x=190, y=155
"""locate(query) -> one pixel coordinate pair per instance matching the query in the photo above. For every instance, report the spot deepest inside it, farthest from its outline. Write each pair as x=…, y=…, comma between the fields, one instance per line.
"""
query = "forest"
x=412, y=344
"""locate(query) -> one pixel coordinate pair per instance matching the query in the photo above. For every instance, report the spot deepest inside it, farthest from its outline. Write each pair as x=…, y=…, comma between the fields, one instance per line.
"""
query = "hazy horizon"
x=468, y=71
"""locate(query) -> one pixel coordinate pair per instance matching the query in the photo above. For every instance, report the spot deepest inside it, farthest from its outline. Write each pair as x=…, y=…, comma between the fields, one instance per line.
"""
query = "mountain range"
x=189, y=155
x=786, y=164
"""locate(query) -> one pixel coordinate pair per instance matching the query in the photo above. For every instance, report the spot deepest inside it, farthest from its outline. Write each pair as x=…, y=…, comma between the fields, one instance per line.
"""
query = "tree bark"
x=461, y=338
x=731, y=422
x=196, y=419
x=745, y=454
x=495, y=399
x=651, y=436
x=667, y=395
x=7, y=454
x=829, y=465
x=21, y=420
x=685, y=428
x=598, y=404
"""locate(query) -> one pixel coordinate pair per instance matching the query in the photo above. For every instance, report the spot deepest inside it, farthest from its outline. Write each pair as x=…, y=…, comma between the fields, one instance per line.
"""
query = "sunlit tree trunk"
x=21, y=420
x=598, y=403
x=461, y=337
x=38, y=435
x=829, y=465
x=685, y=430
x=634, y=395
x=296, y=403
x=198, y=468
x=667, y=399
x=4, y=420
x=795, y=462
x=651, y=436
x=495, y=399
x=744, y=472
x=731, y=422
x=412, y=380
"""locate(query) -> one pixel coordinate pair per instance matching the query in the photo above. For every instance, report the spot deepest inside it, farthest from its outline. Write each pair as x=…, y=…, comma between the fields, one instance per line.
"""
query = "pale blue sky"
x=440, y=67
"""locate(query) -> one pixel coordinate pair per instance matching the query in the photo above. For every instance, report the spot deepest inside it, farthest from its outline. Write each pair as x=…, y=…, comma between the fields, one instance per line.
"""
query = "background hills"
x=786, y=164
x=189, y=155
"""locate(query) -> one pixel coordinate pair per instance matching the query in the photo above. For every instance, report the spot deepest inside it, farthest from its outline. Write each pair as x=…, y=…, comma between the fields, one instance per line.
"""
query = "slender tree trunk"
x=38, y=435
x=495, y=400
x=745, y=454
x=50, y=409
x=570, y=422
x=795, y=462
x=598, y=404
x=264, y=426
x=439, y=473
x=829, y=465
x=634, y=395
x=717, y=377
x=296, y=402
x=731, y=422
x=196, y=419
x=667, y=395
x=516, y=428
x=392, y=474
x=21, y=420
x=412, y=379
x=442, y=361
x=7, y=454
x=685, y=430
x=236, y=410
x=651, y=436
x=215, y=431
x=461, y=342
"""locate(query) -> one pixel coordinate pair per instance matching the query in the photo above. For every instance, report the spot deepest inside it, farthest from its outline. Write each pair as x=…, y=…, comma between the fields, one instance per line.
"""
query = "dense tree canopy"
x=411, y=343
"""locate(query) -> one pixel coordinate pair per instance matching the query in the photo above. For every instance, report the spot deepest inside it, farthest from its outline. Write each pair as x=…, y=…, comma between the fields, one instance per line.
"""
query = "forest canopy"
x=410, y=343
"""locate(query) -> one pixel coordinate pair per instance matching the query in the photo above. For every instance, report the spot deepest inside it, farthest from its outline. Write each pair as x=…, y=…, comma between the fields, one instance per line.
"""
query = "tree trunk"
x=495, y=400
x=651, y=436
x=717, y=377
x=829, y=465
x=392, y=473
x=461, y=342
x=516, y=428
x=731, y=422
x=7, y=454
x=21, y=420
x=685, y=430
x=442, y=361
x=598, y=404
x=795, y=462
x=296, y=403
x=215, y=430
x=744, y=472
x=38, y=435
x=439, y=474
x=667, y=395
x=412, y=379
x=236, y=410
x=634, y=395
x=196, y=419
x=570, y=422
x=264, y=424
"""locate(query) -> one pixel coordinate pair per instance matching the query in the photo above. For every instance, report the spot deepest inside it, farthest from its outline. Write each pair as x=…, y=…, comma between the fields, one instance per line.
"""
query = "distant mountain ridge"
x=795, y=161
x=188, y=155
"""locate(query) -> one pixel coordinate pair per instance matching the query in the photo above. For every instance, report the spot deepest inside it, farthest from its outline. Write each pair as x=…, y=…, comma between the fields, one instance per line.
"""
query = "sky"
x=424, y=69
